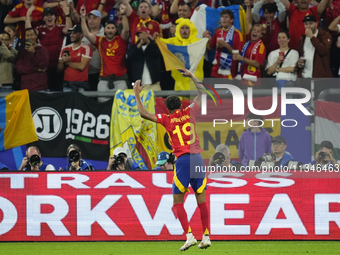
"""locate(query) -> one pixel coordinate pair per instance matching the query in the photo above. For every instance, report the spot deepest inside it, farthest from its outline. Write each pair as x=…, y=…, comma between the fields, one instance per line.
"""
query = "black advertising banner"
x=64, y=118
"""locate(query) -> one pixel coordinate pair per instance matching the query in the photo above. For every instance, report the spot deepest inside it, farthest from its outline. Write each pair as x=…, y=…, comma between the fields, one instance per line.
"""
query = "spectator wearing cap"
x=144, y=60
x=112, y=49
x=296, y=15
x=324, y=157
x=314, y=46
x=18, y=16
x=75, y=59
x=51, y=36
x=141, y=19
x=165, y=161
x=32, y=63
x=255, y=141
x=7, y=58
x=282, y=157
x=314, y=50
x=95, y=27
x=121, y=160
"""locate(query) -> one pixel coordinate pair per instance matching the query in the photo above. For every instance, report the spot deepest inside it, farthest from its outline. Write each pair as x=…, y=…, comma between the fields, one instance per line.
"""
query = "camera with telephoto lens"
x=118, y=161
x=218, y=158
x=267, y=158
x=322, y=154
x=34, y=160
x=73, y=156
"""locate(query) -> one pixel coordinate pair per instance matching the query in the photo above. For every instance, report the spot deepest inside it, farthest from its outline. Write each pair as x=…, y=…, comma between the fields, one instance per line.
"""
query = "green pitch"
x=165, y=248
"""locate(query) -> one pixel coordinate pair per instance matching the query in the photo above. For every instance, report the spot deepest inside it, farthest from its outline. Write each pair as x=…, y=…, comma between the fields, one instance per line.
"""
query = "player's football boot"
x=190, y=242
x=205, y=243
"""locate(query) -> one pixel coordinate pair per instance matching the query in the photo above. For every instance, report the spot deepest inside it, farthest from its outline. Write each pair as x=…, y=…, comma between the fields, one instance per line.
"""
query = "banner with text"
x=95, y=206
x=64, y=118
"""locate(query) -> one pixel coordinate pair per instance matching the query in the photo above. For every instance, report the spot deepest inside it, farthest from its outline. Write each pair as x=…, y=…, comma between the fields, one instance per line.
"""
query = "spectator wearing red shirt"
x=51, y=36
x=143, y=19
x=297, y=13
x=18, y=15
x=75, y=58
x=32, y=63
x=225, y=40
x=273, y=24
x=252, y=56
x=193, y=4
x=112, y=49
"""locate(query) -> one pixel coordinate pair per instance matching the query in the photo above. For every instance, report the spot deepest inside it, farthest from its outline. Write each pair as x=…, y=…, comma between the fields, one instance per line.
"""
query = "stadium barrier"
x=116, y=206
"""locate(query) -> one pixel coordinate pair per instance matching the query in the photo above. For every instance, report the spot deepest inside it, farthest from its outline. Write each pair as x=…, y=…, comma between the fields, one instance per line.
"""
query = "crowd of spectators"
x=107, y=44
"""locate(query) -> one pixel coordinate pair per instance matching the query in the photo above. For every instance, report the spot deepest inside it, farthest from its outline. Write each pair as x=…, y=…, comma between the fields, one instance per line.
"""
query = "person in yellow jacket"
x=186, y=33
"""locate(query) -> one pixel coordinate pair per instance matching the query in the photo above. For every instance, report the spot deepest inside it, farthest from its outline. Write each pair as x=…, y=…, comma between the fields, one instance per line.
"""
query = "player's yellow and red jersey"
x=181, y=130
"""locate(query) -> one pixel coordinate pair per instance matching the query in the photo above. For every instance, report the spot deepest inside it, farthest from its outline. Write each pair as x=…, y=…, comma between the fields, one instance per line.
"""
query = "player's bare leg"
x=183, y=218
x=201, y=201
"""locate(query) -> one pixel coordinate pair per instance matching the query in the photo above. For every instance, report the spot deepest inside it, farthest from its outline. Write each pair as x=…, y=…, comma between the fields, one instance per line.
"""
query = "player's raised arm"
x=142, y=111
x=198, y=84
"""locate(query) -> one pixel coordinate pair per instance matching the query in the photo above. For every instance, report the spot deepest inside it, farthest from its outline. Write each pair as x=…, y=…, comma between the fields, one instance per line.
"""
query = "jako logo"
x=238, y=100
x=206, y=91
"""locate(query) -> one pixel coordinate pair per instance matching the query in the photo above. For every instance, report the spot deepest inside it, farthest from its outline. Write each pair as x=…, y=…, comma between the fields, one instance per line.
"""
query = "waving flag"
x=207, y=18
x=16, y=122
x=187, y=56
x=327, y=125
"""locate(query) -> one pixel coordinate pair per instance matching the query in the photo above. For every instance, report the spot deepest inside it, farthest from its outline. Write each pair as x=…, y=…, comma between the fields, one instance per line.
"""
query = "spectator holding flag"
x=186, y=34
x=227, y=40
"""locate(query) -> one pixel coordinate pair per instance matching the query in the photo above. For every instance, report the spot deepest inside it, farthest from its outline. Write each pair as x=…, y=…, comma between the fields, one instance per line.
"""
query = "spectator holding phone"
x=282, y=62
x=32, y=63
x=51, y=36
x=75, y=59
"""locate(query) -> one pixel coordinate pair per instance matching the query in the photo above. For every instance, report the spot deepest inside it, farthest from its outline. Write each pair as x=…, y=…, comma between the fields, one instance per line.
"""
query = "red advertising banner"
x=73, y=206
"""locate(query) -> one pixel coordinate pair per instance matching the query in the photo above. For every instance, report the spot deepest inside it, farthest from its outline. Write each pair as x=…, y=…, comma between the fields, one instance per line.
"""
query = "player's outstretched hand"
x=185, y=72
x=137, y=88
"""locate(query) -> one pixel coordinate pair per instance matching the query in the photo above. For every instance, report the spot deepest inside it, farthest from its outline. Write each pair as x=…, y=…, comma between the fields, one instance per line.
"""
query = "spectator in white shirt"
x=282, y=62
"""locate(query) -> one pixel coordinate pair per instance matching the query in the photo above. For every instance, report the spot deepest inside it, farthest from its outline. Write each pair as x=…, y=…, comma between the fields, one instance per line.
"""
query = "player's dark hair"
x=172, y=103
x=270, y=7
x=229, y=12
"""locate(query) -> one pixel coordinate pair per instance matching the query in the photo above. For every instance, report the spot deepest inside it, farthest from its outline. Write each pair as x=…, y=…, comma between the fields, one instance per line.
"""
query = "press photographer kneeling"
x=324, y=157
x=222, y=158
x=32, y=161
x=75, y=162
x=120, y=161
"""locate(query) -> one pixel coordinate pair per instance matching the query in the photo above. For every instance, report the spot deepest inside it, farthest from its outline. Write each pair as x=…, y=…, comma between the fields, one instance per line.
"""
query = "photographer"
x=75, y=162
x=120, y=161
x=165, y=161
x=324, y=157
x=281, y=156
x=225, y=161
x=32, y=161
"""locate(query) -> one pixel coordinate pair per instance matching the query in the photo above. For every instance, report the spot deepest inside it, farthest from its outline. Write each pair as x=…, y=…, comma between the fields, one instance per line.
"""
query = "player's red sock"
x=182, y=216
x=204, y=217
